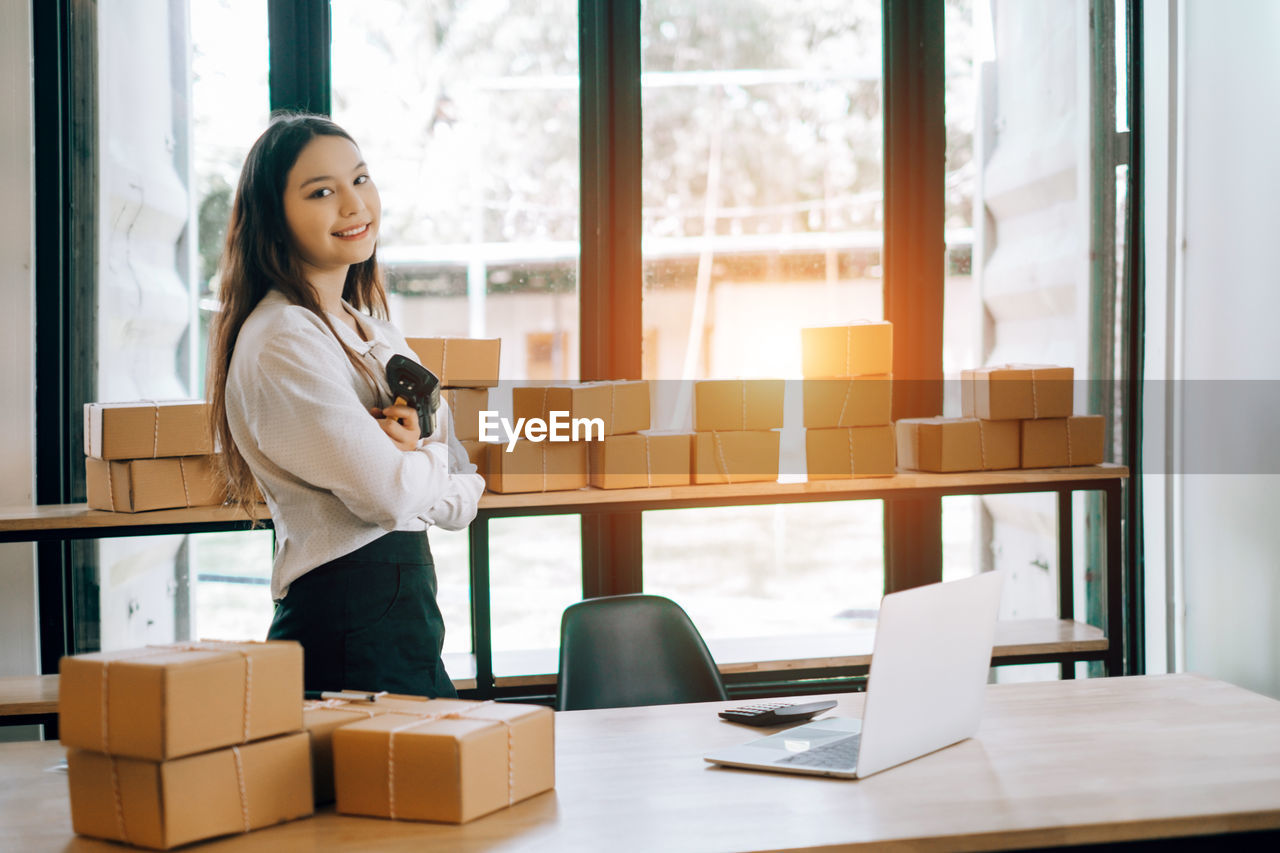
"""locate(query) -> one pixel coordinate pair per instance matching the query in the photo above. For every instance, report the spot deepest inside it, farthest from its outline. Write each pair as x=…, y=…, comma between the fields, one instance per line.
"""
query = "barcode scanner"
x=414, y=385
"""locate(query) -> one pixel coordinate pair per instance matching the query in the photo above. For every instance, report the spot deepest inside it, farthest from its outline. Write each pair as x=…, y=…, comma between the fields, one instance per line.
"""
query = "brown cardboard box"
x=147, y=429
x=735, y=456
x=841, y=453
x=737, y=404
x=460, y=362
x=622, y=406
x=1059, y=442
x=652, y=458
x=836, y=352
x=957, y=444
x=466, y=404
x=138, y=485
x=1016, y=392
x=163, y=702
x=321, y=720
x=864, y=401
x=477, y=452
x=165, y=804
x=536, y=466
x=480, y=758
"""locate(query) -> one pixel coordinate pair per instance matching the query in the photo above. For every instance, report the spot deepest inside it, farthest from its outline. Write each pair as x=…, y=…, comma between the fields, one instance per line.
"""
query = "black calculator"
x=776, y=713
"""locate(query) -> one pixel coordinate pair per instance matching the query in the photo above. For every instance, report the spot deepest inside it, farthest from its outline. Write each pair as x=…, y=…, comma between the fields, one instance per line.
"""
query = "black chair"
x=627, y=650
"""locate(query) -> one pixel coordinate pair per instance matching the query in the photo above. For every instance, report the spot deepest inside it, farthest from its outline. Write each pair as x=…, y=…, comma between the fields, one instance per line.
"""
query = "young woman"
x=300, y=406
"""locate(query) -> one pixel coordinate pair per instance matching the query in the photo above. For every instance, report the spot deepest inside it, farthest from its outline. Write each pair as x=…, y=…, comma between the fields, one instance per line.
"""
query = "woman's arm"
x=455, y=510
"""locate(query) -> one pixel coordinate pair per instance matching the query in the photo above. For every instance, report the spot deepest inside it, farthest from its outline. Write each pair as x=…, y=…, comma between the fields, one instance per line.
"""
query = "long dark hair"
x=258, y=255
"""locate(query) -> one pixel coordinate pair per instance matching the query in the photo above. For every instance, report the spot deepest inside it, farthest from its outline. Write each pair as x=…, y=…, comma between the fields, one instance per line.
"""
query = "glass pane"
x=231, y=585
x=535, y=567
x=752, y=571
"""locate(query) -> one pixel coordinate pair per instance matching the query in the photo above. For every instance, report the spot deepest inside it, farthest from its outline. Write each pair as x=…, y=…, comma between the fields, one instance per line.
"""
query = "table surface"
x=1054, y=763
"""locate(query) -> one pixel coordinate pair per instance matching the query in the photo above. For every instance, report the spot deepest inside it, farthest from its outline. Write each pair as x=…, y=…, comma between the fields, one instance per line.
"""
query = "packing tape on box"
x=982, y=444
x=1070, y=460
x=848, y=391
x=648, y=463
x=724, y=466
x=431, y=718
x=744, y=404
x=244, y=797
x=444, y=360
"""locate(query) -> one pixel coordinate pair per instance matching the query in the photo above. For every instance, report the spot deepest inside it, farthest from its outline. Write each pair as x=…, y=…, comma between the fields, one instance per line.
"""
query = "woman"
x=300, y=406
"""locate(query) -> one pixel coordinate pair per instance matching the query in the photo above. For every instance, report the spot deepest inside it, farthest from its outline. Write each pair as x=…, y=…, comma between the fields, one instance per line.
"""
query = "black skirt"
x=369, y=620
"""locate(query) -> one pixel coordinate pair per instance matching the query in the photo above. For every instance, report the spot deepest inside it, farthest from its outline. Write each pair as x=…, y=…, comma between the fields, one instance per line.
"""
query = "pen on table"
x=331, y=694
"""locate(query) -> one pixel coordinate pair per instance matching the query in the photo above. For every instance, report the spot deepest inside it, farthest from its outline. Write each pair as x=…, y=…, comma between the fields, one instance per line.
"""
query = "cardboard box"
x=138, y=485
x=466, y=404
x=1060, y=442
x=458, y=761
x=163, y=702
x=958, y=444
x=478, y=453
x=460, y=362
x=735, y=456
x=652, y=458
x=536, y=466
x=836, y=454
x=321, y=720
x=737, y=404
x=864, y=348
x=147, y=429
x=165, y=804
x=622, y=406
x=1016, y=392
x=864, y=401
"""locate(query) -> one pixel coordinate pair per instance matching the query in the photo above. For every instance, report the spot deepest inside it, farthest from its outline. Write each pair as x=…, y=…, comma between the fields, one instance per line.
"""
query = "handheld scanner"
x=414, y=385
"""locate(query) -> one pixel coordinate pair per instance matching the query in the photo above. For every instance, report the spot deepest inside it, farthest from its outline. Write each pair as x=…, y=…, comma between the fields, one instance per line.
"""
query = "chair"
x=627, y=650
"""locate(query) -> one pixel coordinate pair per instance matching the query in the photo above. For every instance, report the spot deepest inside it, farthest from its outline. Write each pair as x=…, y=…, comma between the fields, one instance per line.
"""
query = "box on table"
x=163, y=702
x=138, y=485
x=321, y=720
x=737, y=404
x=837, y=352
x=168, y=803
x=477, y=452
x=466, y=404
x=1016, y=392
x=735, y=456
x=536, y=466
x=454, y=762
x=147, y=429
x=622, y=406
x=958, y=444
x=1060, y=442
x=841, y=453
x=862, y=401
x=460, y=362
x=639, y=460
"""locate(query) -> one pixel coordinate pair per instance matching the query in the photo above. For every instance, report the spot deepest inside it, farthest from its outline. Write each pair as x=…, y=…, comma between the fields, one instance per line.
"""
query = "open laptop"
x=928, y=677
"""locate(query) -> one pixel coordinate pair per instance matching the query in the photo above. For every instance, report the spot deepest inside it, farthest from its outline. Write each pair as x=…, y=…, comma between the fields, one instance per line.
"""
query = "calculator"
x=776, y=713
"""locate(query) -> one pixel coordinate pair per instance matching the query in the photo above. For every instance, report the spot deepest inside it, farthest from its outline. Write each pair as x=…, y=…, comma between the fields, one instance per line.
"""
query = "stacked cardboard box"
x=848, y=380
x=174, y=744
x=1013, y=415
x=148, y=455
x=735, y=430
x=467, y=368
x=409, y=758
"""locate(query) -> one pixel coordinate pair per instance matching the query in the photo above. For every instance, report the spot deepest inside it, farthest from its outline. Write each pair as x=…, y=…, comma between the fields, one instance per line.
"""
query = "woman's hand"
x=400, y=423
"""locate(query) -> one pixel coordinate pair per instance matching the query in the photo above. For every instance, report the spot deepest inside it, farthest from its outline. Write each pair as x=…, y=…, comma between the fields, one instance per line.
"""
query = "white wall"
x=1216, y=320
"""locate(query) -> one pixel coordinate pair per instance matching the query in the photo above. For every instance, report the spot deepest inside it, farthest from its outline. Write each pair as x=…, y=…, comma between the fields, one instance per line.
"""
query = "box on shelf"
x=639, y=460
x=453, y=762
x=536, y=466
x=957, y=444
x=477, y=452
x=721, y=405
x=735, y=456
x=863, y=401
x=857, y=349
x=1061, y=442
x=163, y=702
x=466, y=404
x=1016, y=392
x=842, y=453
x=168, y=803
x=138, y=485
x=460, y=362
x=147, y=429
x=622, y=406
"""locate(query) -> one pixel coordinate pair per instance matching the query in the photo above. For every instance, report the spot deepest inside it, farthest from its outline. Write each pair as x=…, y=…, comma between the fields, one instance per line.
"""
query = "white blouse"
x=333, y=480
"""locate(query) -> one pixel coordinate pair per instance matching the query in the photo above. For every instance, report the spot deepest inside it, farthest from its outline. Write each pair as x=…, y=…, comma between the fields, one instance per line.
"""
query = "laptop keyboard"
x=838, y=753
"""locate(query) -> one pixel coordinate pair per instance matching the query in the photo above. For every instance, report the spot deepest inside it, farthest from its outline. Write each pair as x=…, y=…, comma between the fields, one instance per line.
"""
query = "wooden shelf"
x=28, y=694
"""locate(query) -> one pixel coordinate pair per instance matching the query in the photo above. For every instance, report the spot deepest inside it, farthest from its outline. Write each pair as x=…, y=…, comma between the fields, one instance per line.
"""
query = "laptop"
x=928, y=676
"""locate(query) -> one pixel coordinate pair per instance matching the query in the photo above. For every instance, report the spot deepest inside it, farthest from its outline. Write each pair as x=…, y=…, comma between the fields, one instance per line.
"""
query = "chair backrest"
x=626, y=650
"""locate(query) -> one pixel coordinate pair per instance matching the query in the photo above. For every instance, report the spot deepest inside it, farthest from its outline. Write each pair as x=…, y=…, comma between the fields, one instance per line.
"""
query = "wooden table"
x=1054, y=763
